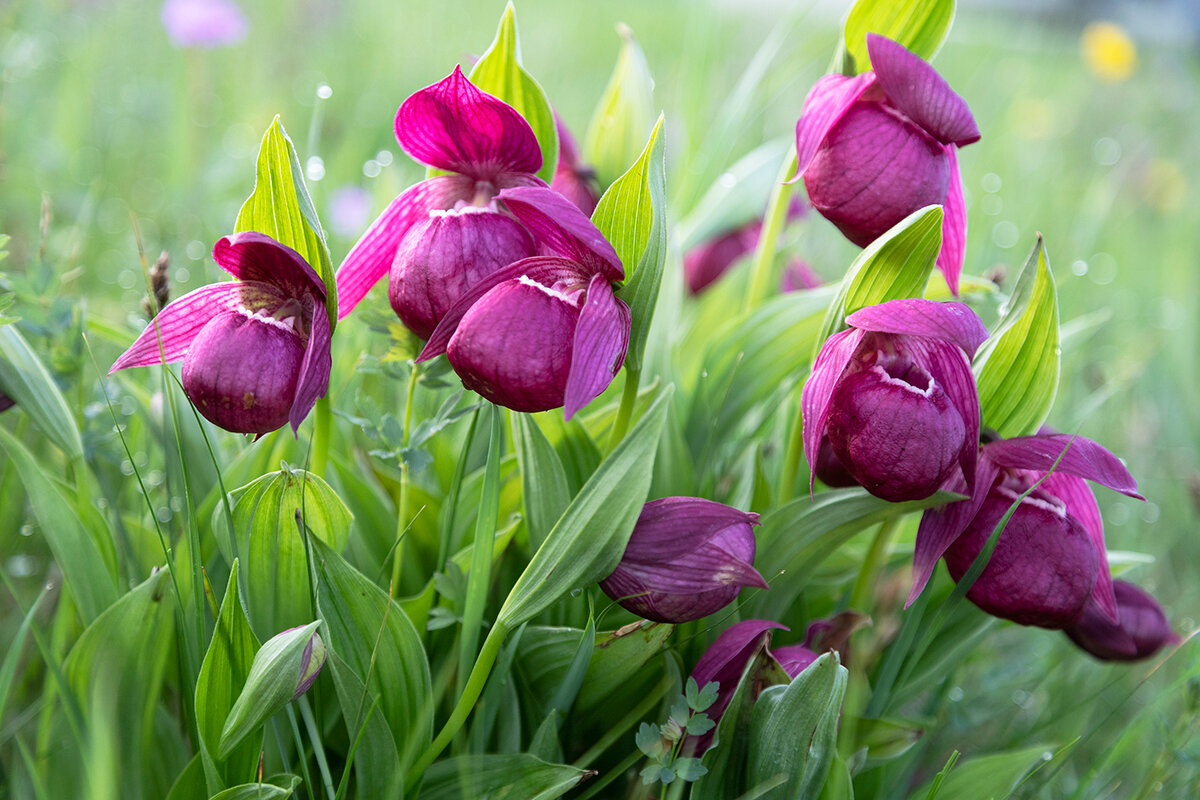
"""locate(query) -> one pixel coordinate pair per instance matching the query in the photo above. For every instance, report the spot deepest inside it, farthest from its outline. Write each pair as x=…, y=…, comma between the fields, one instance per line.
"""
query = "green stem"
x=625, y=411
x=466, y=701
x=860, y=594
x=402, y=500
x=791, y=461
x=617, y=731
x=320, y=439
x=764, y=254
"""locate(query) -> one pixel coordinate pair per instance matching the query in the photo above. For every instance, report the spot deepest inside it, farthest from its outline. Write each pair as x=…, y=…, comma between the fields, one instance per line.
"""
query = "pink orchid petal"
x=827, y=102
x=371, y=256
x=831, y=362
x=455, y=126
x=952, y=369
x=1083, y=458
x=726, y=658
x=951, y=322
x=667, y=527
x=941, y=526
x=180, y=322
x=561, y=229
x=601, y=339
x=954, y=226
x=543, y=269
x=313, y=381
x=920, y=92
x=253, y=256
x=1081, y=504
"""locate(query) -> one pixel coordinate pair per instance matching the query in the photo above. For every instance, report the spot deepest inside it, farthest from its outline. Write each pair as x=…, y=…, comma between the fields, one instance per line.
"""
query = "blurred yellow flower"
x=1108, y=51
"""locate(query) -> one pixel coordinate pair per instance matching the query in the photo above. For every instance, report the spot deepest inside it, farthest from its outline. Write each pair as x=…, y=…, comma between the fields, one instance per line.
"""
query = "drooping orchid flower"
x=687, y=558
x=895, y=398
x=444, y=234
x=545, y=331
x=256, y=350
x=1050, y=560
x=876, y=147
x=1142, y=631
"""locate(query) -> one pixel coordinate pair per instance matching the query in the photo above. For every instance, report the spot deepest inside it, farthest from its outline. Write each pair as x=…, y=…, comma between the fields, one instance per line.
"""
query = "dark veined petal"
x=725, y=658
x=182, y=319
x=253, y=256
x=454, y=125
x=1081, y=504
x=953, y=322
x=1142, y=630
x=920, y=92
x=561, y=229
x=954, y=226
x=371, y=256
x=669, y=526
x=313, y=382
x=951, y=368
x=831, y=362
x=543, y=269
x=1083, y=457
x=601, y=339
x=826, y=104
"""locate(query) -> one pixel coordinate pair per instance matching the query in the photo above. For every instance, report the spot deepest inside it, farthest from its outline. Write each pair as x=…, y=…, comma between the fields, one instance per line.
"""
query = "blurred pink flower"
x=349, y=210
x=203, y=23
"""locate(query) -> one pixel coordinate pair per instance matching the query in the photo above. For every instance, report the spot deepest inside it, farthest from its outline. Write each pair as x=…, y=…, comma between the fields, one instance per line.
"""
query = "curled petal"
x=1083, y=457
x=952, y=322
x=253, y=256
x=1081, y=504
x=180, y=322
x=1141, y=631
x=794, y=658
x=313, y=382
x=562, y=230
x=544, y=270
x=954, y=226
x=818, y=389
x=725, y=658
x=920, y=92
x=601, y=339
x=667, y=527
x=826, y=104
x=453, y=125
x=371, y=256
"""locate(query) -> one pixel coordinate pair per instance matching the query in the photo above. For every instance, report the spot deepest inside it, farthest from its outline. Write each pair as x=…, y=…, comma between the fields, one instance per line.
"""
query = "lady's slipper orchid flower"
x=895, y=397
x=445, y=234
x=573, y=179
x=203, y=23
x=545, y=331
x=255, y=351
x=1143, y=630
x=876, y=147
x=712, y=258
x=1050, y=559
x=687, y=558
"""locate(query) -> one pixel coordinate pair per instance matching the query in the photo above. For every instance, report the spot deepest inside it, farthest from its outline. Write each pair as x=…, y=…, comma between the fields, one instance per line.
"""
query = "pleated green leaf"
x=508, y=775
x=616, y=657
x=632, y=215
x=919, y=25
x=499, y=72
x=589, y=538
x=24, y=379
x=1017, y=368
x=280, y=207
x=623, y=114
x=275, y=788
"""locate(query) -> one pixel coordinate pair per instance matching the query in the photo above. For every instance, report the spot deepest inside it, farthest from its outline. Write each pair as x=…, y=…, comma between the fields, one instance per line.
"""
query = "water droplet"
x=991, y=204
x=727, y=179
x=127, y=467
x=1079, y=267
x=1118, y=514
x=163, y=514
x=1019, y=697
x=195, y=250
x=1102, y=269
x=955, y=694
x=991, y=182
x=1047, y=756
x=127, y=280
x=315, y=168
x=182, y=275
x=324, y=91
x=1005, y=234
x=576, y=592
x=1150, y=513
x=21, y=566
x=1106, y=151
x=372, y=169
x=384, y=157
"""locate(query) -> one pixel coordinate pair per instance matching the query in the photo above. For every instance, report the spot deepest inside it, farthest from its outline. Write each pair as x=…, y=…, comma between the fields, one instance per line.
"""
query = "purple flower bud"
x=1142, y=631
x=724, y=662
x=875, y=147
x=687, y=558
x=572, y=179
x=709, y=260
x=311, y=662
x=798, y=276
x=255, y=351
x=6, y=402
x=895, y=398
x=203, y=23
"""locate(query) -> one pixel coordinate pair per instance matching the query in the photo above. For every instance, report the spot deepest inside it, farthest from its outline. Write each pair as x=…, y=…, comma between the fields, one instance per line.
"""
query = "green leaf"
x=75, y=551
x=8, y=668
x=689, y=769
x=632, y=215
x=617, y=657
x=509, y=775
x=588, y=540
x=623, y=114
x=280, y=207
x=274, y=677
x=222, y=677
x=573, y=678
x=25, y=380
x=479, y=577
x=499, y=72
x=793, y=729
x=380, y=660
x=277, y=787
x=895, y=265
x=919, y=25
x=189, y=784
x=1017, y=368
x=544, y=490
x=986, y=777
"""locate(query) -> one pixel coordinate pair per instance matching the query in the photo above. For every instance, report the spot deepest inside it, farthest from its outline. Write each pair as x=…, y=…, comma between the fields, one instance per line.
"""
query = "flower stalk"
x=764, y=254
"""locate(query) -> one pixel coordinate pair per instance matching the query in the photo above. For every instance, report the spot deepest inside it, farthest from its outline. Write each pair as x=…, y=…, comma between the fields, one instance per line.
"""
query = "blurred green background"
x=104, y=122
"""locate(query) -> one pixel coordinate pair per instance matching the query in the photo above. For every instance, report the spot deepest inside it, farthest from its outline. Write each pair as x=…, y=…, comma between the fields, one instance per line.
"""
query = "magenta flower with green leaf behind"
x=256, y=350
x=446, y=233
x=573, y=179
x=545, y=331
x=895, y=398
x=876, y=147
x=1142, y=631
x=687, y=558
x=1050, y=560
